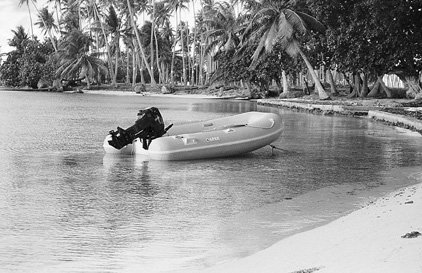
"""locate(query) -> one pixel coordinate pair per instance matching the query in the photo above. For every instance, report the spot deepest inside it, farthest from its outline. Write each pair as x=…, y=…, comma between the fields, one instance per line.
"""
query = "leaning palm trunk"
x=138, y=38
x=321, y=92
x=380, y=86
x=414, y=88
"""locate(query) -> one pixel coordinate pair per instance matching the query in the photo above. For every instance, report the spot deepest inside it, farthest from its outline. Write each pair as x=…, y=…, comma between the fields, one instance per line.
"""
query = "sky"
x=11, y=16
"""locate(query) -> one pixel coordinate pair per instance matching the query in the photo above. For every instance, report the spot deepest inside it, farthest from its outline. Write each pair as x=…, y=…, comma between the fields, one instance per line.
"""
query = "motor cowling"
x=148, y=126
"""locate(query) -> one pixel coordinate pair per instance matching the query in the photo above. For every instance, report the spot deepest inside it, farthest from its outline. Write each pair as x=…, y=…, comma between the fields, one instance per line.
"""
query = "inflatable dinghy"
x=222, y=137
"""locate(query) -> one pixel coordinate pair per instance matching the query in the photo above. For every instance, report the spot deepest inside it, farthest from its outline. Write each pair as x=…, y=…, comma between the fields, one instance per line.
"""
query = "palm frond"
x=285, y=30
x=272, y=36
x=260, y=48
x=292, y=48
x=312, y=22
x=298, y=26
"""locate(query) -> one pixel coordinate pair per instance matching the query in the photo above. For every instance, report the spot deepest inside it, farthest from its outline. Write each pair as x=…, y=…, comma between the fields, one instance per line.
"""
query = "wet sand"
x=381, y=237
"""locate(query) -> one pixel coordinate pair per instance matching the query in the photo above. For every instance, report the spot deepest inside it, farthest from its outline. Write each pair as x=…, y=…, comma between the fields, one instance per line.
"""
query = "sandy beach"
x=381, y=237
x=151, y=94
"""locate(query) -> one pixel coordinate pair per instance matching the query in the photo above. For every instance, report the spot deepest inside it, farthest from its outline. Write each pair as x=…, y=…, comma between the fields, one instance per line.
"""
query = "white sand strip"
x=148, y=94
x=368, y=240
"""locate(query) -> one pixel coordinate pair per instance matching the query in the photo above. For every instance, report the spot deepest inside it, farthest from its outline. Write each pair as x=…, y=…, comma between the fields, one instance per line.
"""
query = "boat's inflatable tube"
x=221, y=137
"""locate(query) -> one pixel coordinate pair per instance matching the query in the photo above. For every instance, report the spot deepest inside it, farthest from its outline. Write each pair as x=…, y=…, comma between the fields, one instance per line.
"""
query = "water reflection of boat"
x=222, y=137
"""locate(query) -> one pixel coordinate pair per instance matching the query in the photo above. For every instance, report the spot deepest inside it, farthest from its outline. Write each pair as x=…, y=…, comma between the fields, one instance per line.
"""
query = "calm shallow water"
x=65, y=206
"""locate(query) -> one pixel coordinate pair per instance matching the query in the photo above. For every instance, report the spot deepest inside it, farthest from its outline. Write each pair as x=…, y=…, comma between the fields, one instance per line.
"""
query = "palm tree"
x=160, y=19
x=177, y=6
x=47, y=24
x=26, y=2
x=70, y=18
x=75, y=60
x=58, y=8
x=138, y=38
x=114, y=27
x=278, y=22
x=167, y=39
x=20, y=37
x=223, y=29
x=92, y=5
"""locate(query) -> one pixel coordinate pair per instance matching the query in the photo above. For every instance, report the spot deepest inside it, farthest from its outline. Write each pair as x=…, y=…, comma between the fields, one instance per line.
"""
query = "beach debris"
x=140, y=88
x=310, y=270
x=167, y=89
x=412, y=234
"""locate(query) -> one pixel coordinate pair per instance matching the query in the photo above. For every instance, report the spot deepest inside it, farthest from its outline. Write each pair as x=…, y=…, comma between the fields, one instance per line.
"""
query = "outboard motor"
x=148, y=126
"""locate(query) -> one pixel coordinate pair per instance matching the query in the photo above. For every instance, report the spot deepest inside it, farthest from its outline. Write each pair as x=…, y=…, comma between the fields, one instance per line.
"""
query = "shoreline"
x=371, y=109
x=355, y=108
x=371, y=239
x=381, y=237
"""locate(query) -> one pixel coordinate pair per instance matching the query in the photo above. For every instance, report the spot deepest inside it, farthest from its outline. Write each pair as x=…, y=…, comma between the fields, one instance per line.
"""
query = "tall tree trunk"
x=173, y=54
x=134, y=66
x=183, y=51
x=30, y=20
x=109, y=58
x=321, y=92
x=138, y=38
x=194, y=43
x=116, y=68
x=201, y=63
x=160, y=76
x=127, y=66
x=56, y=7
x=356, y=86
x=364, y=88
x=172, y=66
x=332, y=83
x=141, y=69
x=151, y=45
x=286, y=89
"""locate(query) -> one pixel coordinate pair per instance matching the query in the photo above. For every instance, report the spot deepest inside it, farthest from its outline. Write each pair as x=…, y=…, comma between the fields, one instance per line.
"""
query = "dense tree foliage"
x=372, y=38
x=252, y=42
x=29, y=63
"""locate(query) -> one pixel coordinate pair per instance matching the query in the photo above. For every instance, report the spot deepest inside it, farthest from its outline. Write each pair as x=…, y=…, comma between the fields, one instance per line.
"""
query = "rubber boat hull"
x=222, y=137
